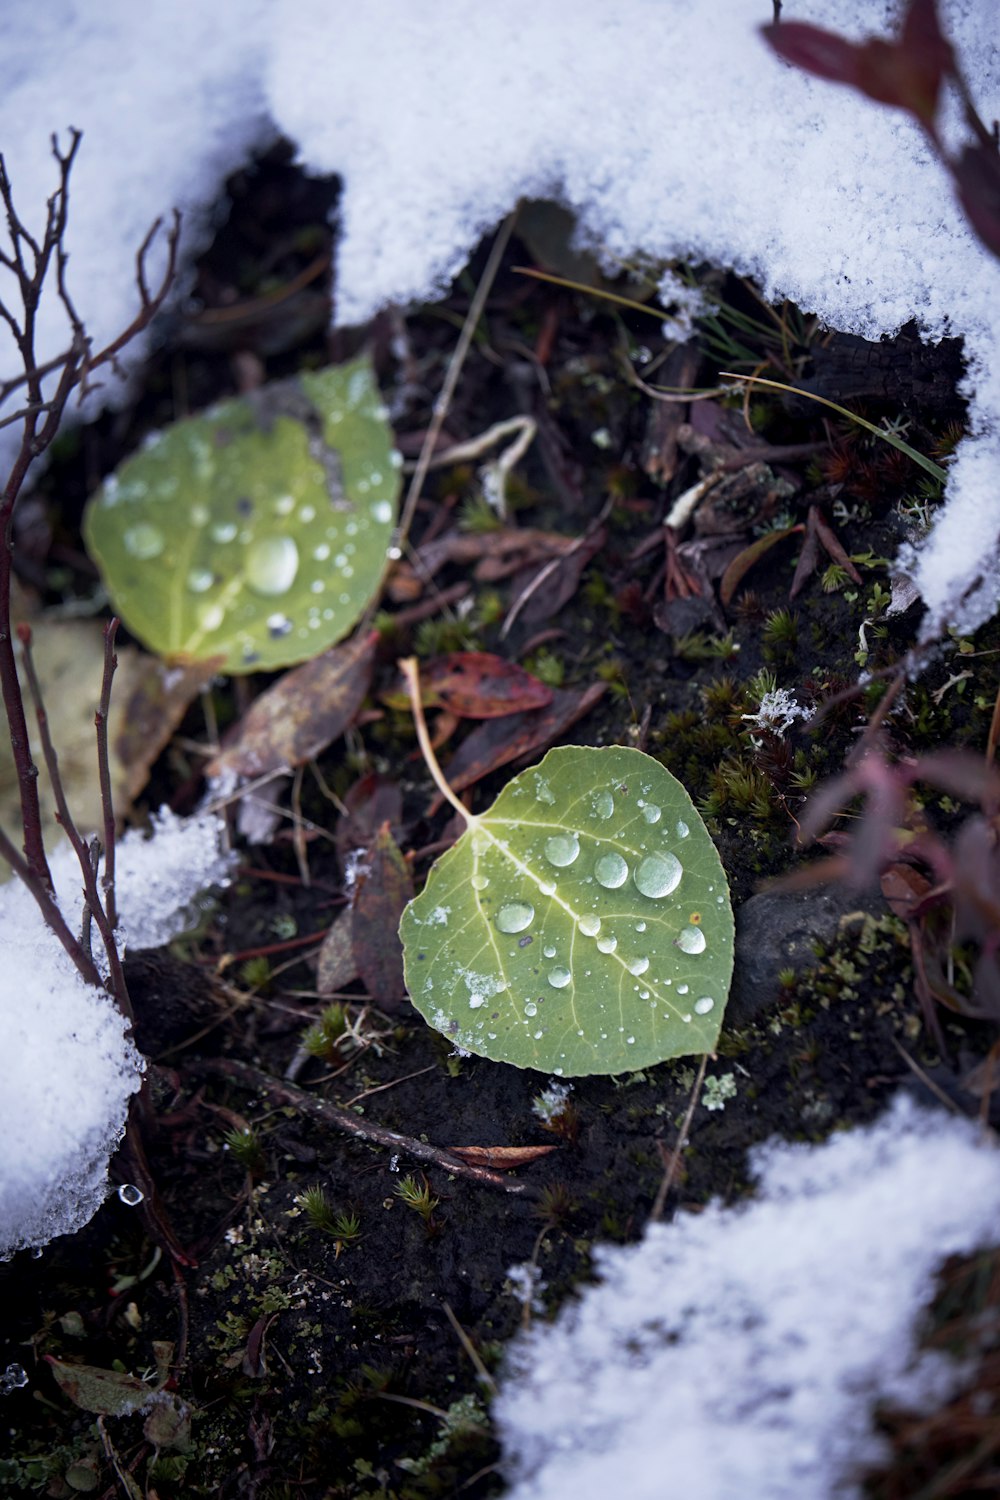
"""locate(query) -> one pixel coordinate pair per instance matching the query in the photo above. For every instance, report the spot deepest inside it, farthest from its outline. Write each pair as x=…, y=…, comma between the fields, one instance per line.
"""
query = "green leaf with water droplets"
x=257, y=532
x=581, y=925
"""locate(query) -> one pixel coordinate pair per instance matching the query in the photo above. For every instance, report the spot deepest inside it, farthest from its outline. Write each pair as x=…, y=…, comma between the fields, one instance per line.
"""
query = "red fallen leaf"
x=480, y=685
x=336, y=966
x=500, y=1158
x=906, y=73
x=303, y=712
x=496, y=742
x=745, y=560
x=369, y=802
x=977, y=178
x=550, y=587
x=384, y=886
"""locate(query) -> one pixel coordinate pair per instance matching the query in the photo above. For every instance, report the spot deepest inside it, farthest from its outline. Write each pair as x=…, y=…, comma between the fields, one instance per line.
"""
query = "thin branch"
x=117, y=985
x=104, y=772
x=670, y=1174
x=287, y=1095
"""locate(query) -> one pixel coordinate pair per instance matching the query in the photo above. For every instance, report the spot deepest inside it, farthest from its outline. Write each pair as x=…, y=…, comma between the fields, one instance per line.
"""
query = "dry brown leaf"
x=500, y=1158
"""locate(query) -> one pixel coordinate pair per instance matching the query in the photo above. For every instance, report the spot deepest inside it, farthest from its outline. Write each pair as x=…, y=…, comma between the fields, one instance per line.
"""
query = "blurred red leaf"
x=368, y=803
x=496, y=742
x=480, y=685
x=303, y=712
x=906, y=73
x=977, y=178
x=384, y=886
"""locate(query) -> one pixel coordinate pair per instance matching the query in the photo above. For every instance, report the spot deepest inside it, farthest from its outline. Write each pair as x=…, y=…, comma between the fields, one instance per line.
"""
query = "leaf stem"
x=410, y=669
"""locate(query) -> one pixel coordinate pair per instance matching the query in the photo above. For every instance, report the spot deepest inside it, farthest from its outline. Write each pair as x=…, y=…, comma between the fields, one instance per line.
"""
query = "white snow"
x=738, y=1353
x=69, y=1068
x=667, y=125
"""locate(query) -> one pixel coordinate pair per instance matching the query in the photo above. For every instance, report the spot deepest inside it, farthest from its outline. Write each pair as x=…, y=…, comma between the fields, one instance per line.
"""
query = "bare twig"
x=104, y=772
x=670, y=1174
x=286, y=1094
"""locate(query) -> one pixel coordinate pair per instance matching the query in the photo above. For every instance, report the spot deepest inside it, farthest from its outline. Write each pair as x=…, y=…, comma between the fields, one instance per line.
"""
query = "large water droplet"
x=562, y=849
x=210, y=616
x=130, y=1195
x=200, y=579
x=704, y=1005
x=652, y=813
x=607, y=944
x=559, y=977
x=531, y=1009
x=610, y=870
x=590, y=926
x=144, y=541
x=271, y=565
x=515, y=916
x=691, y=940
x=658, y=875
x=638, y=966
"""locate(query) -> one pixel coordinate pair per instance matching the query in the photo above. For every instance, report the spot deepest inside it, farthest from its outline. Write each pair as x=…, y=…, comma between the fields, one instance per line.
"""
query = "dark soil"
x=316, y=1362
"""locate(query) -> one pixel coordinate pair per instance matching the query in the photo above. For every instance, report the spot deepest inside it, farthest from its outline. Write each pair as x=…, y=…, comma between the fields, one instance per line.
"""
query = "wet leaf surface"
x=256, y=532
x=581, y=925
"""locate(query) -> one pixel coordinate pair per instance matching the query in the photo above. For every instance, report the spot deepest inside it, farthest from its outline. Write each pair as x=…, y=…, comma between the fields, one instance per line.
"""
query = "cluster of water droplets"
x=655, y=875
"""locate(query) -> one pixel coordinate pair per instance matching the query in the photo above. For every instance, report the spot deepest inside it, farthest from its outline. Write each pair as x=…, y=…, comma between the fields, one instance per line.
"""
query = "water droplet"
x=559, y=977
x=210, y=616
x=643, y=994
x=682, y=829
x=531, y=1009
x=652, y=813
x=199, y=515
x=200, y=579
x=278, y=625
x=271, y=565
x=382, y=512
x=562, y=849
x=223, y=531
x=12, y=1379
x=604, y=805
x=607, y=944
x=144, y=541
x=691, y=940
x=590, y=926
x=611, y=871
x=630, y=1040
x=130, y=1195
x=549, y=951
x=638, y=966
x=546, y=888
x=640, y=927
x=322, y=552
x=658, y=875
x=475, y=1001
x=704, y=1005
x=307, y=514
x=515, y=916
x=479, y=882
x=682, y=989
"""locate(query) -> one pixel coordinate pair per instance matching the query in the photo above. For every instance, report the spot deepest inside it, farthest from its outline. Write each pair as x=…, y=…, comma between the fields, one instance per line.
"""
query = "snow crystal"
x=69, y=1065
x=739, y=1351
